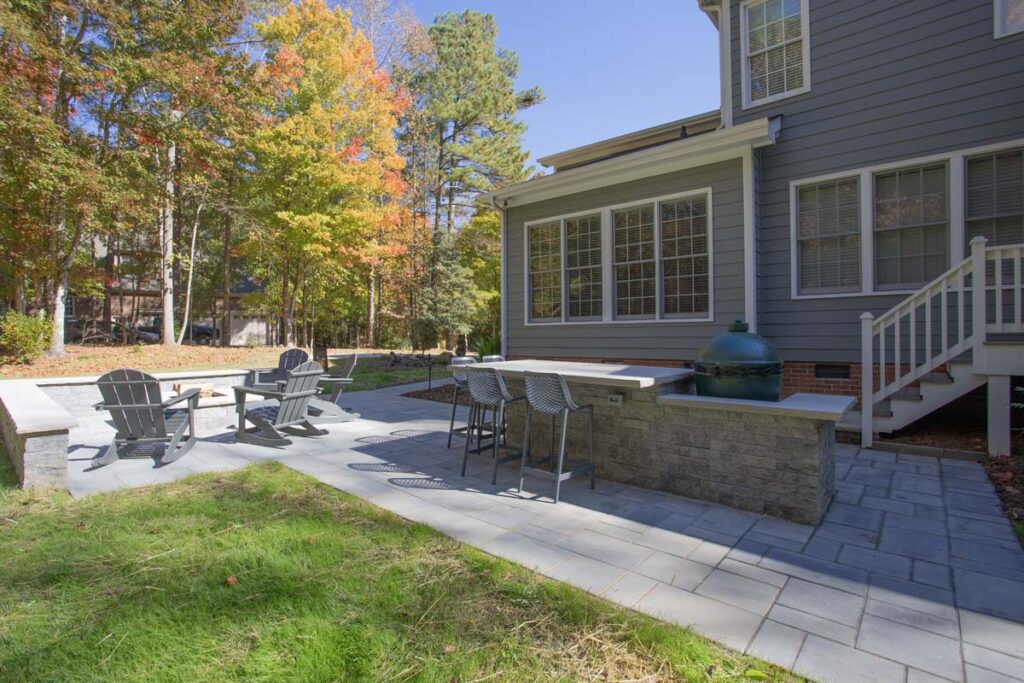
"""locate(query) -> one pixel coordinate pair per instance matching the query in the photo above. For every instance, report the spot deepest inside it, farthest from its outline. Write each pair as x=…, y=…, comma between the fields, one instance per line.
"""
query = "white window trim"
x=955, y=200
x=608, y=267
x=805, y=29
x=999, y=18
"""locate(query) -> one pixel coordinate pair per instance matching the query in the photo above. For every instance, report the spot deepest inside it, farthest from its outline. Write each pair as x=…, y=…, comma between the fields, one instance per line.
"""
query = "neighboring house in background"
x=859, y=148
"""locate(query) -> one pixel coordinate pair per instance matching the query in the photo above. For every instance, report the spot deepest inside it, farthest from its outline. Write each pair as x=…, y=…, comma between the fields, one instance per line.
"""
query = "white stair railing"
x=1004, y=305
x=921, y=333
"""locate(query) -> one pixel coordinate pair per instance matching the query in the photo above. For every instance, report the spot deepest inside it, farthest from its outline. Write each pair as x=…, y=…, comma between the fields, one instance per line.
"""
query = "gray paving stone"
x=855, y=516
x=673, y=570
x=753, y=572
x=994, y=661
x=918, y=676
x=917, y=483
x=986, y=568
x=729, y=625
x=869, y=476
x=526, y=551
x=887, y=505
x=822, y=601
x=920, y=649
x=923, y=524
x=586, y=573
x=917, y=545
x=823, y=548
x=781, y=528
x=931, y=574
x=777, y=643
x=750, y=552
x=847, y=534
x=775, y=541
x=989, y=594
x=739, y=591
x=992, y=632
x=980, y=551
x=875, y=561
x=803, y=621
x=830, y=662
x=909, y=617
x=850, y=579
x=629, y=588
x=915, y=596
x=969, y=502
x=676, y=543
x=726, y=520
x=607, y=549
x=919, y=498
x=872, y=456
x=976, y=674
x=709, y=552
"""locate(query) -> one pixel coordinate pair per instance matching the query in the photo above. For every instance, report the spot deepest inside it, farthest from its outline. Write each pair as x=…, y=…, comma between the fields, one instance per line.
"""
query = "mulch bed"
x=441, y=394
x=1007, y=475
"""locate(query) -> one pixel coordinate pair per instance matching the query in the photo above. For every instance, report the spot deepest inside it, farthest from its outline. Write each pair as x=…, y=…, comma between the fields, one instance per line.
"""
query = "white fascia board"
x=709, y=148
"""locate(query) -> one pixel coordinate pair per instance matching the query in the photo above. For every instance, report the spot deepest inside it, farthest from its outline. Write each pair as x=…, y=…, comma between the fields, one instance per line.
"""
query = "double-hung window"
x=583, y=266
x=911, y=226
x=635, y=277
x=995, y=197
x=776, y=52
x=545, y=250
x=647, y=261
x=828, y=236
x=685, y=257
x=1009, y=17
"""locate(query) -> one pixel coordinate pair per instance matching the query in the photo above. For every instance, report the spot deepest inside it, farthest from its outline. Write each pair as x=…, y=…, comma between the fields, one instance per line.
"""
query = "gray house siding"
x=890, y=80
x=673, y=341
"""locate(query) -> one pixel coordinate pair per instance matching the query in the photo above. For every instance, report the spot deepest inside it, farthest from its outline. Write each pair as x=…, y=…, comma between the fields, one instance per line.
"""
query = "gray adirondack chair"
x=285, y=410
x=289, y=360
x=322, y=410
x=141, y=416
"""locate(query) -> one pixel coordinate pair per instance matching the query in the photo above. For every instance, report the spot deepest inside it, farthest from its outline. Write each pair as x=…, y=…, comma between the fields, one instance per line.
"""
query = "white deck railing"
x=937, y=323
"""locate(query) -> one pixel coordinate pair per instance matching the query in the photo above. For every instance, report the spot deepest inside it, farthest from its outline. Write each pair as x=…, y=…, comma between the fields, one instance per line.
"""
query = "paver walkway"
x=913, y=576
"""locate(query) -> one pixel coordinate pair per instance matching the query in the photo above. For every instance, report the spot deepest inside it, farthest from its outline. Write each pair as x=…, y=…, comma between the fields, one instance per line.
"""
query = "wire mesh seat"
x=493, y=359
x=457, y=368
x=548, y=394
x=489, y=392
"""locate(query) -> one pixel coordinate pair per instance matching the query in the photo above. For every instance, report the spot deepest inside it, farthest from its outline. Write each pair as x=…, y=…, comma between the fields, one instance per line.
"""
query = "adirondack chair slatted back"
x=300, y=387
x=344, y=365
x=133, y=399
x=291, y=359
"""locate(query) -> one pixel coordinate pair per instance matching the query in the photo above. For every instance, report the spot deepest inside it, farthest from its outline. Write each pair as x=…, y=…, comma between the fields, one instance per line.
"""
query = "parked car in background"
x=89, y=331
x=203, y=334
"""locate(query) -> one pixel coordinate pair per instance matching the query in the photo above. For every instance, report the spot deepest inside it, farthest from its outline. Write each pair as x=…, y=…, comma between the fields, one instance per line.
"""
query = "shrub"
x=488, y=346
x=23, y=338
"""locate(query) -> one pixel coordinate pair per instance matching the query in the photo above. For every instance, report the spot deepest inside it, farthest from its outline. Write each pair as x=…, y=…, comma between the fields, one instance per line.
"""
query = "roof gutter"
x=709, y=148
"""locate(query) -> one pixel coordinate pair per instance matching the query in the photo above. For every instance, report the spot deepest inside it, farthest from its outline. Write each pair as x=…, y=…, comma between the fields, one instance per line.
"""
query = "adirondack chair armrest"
x=183, y=396
x=241, y=390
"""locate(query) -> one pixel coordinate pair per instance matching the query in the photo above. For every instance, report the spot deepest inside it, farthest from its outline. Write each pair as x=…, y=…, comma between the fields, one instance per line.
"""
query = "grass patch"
x=367, y=376
x=267, y=575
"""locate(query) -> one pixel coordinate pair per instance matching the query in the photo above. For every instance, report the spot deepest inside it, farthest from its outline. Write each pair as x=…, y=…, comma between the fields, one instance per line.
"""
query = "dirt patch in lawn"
x=440, y=394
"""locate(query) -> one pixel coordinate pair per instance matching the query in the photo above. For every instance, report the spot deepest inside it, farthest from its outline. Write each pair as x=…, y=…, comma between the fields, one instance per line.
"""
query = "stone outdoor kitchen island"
x=650, y=430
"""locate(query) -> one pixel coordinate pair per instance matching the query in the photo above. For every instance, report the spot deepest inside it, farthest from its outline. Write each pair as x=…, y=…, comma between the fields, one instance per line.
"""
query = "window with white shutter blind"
x=995, y=197
x=775, y=49
x=911, y=226
x=545, y=250
x=828, y=236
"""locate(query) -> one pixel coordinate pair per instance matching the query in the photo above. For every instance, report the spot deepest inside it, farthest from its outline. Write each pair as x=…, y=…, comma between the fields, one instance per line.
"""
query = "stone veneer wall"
x=768, y=463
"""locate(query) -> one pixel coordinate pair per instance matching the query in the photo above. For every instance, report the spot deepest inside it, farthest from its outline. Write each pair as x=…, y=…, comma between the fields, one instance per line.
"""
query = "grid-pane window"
x=684, y=256
x=1009, y=17
x=775, y=48
x=545, y=247
x=828, y=236
x=583, y=266
x=634, y=262
x=911, y=226
x=995, y=197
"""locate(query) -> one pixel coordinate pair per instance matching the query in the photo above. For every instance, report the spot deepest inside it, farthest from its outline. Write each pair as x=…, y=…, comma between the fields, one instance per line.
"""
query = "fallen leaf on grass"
x=231, y=580
x=448, y=649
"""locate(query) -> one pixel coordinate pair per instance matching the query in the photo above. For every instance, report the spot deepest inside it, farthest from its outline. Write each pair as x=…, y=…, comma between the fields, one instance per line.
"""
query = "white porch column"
x=998, y=415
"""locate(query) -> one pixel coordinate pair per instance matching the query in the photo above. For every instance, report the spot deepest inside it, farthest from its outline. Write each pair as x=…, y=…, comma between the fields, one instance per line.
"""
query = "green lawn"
x=376, y=376
x=267, y=575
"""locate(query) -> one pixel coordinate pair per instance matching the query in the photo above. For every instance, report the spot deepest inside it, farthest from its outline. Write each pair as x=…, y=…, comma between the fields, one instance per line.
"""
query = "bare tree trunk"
x=286, y=306
x=225, y=327
x=371, y=314
x=191, y=269
x=167, y=251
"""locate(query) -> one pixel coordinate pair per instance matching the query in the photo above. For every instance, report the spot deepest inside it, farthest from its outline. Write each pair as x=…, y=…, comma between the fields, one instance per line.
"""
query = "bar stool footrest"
x=556, y=476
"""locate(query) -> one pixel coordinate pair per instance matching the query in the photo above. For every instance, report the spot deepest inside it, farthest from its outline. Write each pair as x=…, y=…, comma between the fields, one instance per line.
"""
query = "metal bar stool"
x=548, y=393
x=493, y=359
x=458, y=370
x=489, y=391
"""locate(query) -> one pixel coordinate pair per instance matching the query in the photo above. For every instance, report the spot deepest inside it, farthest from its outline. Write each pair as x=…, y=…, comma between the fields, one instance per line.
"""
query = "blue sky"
x=607, y=67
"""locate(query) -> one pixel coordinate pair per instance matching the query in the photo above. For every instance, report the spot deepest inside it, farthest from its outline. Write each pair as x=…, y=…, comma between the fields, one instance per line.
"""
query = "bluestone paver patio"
x=915, y=575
